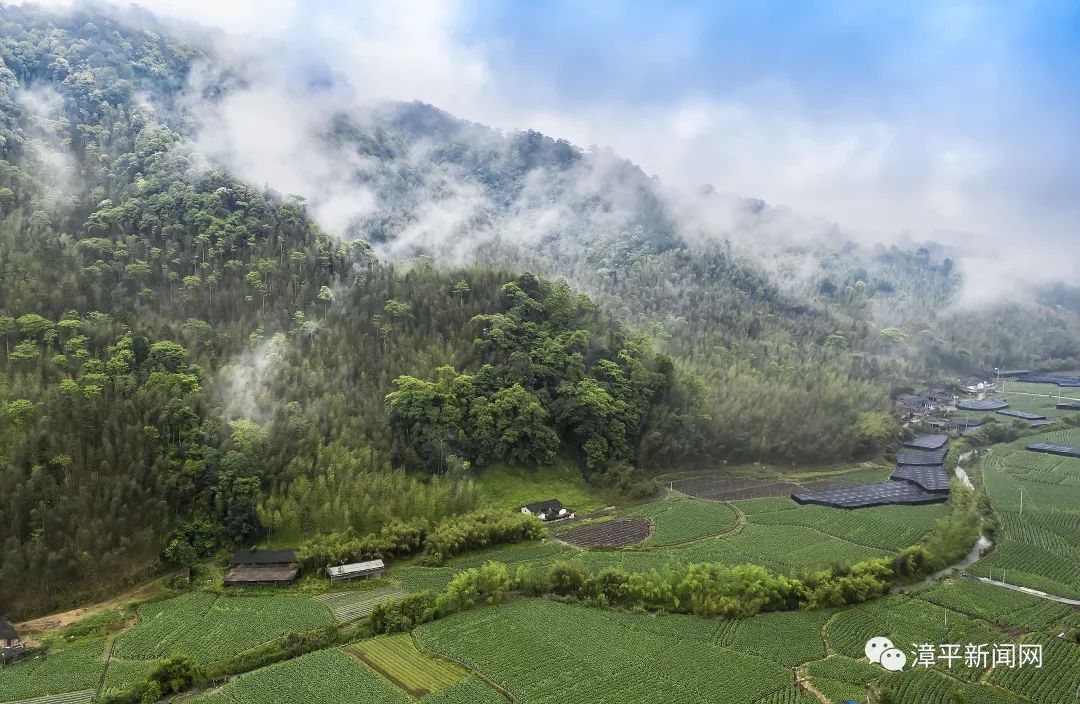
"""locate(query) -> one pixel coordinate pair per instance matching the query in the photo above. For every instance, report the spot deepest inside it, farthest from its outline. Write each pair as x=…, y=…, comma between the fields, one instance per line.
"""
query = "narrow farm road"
x=1026, y=590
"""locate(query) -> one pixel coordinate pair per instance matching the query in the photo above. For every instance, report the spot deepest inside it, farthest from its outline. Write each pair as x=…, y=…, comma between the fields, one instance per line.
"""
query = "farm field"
x=351, y=605
x=207, y=627
x=679, y=520
x=73, y=669
x=333, y=676
x=616, y=533
x=84, y=697
x=780, y=535
x=325, y=677
x=1004, y=607
x=1041, y=547
x=628, y=662
x=397, y=658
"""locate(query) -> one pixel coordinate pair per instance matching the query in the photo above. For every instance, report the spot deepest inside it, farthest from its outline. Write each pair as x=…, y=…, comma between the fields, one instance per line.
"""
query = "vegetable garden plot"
x=397, y=658
x=209, y=628
x=72, y=669
x=349, y=606
x=727, y=488
x=324, y=677
x=84, y=697
x=549, y=653
x=611, y=534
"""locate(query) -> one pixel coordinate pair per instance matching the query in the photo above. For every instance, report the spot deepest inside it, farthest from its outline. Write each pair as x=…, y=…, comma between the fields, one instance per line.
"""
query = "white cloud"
x=935, y=162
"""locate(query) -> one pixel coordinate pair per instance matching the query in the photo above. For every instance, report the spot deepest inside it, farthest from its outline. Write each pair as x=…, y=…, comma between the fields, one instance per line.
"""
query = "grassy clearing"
x=507, y=486
x=398, y=659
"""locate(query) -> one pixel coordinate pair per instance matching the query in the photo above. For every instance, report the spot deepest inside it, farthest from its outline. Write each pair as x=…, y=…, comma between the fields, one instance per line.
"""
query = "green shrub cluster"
x=452, y=536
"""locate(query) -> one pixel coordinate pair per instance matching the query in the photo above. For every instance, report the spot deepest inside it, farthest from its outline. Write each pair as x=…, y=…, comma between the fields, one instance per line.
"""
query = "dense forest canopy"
x=188, y=360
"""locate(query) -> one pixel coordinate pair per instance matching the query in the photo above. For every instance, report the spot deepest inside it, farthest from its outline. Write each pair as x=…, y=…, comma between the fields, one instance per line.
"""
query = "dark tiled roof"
x=544, y=506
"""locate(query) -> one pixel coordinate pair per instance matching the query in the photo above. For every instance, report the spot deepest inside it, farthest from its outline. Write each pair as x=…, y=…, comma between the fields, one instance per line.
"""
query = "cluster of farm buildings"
x=920, y=476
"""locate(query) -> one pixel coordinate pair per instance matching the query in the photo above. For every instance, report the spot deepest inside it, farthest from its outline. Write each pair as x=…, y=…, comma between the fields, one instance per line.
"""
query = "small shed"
x=9, y=637
x=357, y=570
x=550, y=510
x=11, y=645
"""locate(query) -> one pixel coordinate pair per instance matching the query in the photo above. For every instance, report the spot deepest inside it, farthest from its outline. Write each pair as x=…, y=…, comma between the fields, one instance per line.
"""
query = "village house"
x=550, y=510
x=262, y=568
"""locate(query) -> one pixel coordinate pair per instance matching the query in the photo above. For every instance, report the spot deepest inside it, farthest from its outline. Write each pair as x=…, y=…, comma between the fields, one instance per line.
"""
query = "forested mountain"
x=188, y=358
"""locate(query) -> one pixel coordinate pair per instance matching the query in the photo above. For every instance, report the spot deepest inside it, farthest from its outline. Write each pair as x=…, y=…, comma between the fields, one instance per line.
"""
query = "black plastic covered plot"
x=1059, y=379
x=1069, y=406
x=922, y=457
x=986, y=404
x=1054, y=449
x=1021, y=414
x=965, y=423
x=927, y=442
x=866, y=495
x=932, y=478
x=1038, y=423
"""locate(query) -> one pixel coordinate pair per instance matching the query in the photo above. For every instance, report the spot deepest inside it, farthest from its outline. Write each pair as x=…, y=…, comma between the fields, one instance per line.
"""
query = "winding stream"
x=980, y=548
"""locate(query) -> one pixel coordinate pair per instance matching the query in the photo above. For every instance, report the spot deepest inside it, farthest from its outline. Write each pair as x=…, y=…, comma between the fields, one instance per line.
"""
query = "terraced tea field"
x=325, y=677
x=536, y=649
x=351, y=605
x=207, y=627
x=84, y=697
x=398, y=659
x=1041, y=547
x=680, y=520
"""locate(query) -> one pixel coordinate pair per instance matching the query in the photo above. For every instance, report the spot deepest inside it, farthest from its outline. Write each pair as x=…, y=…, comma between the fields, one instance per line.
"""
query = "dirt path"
x=803, y=680
x=34, y=628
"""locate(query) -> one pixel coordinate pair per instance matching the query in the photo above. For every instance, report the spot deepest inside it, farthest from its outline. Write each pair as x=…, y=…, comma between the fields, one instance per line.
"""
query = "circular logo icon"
x=893, y=660
x=875, y=647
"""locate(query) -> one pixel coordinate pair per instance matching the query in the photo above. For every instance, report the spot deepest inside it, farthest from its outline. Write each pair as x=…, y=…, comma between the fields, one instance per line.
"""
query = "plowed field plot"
x=612, y=534
x=735, y=488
